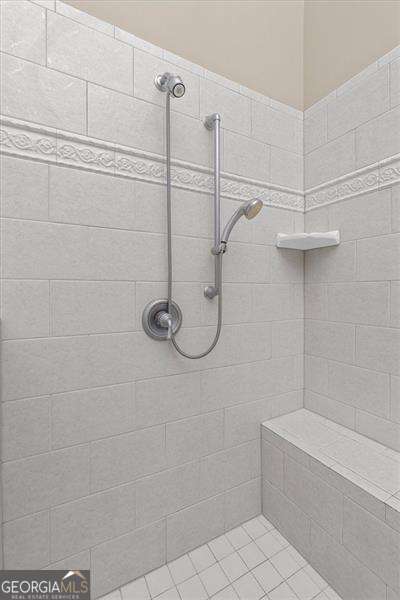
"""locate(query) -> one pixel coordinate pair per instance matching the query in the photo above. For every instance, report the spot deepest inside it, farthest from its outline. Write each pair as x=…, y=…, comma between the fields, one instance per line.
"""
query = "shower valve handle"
x=164, y=320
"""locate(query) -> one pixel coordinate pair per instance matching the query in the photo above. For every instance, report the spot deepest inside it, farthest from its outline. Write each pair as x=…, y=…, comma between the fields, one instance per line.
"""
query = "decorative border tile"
x=362, y=181
x=28, y=140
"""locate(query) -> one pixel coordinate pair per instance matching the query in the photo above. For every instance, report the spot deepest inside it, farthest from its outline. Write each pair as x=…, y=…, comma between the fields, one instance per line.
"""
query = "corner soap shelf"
x=307, y=241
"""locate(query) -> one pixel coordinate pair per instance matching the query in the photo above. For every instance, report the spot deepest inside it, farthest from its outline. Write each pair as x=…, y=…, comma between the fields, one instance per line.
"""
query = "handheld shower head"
x=170, y=83
x=248, y=209
x=252, y=208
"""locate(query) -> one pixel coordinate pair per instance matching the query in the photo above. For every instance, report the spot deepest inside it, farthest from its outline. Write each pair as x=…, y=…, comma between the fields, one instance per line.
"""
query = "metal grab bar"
x=213, y=122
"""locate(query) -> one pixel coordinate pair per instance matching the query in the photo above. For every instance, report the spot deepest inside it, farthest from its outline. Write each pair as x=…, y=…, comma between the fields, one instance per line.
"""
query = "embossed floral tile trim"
x=377, y=176
x=41, y=143
x=46, y=144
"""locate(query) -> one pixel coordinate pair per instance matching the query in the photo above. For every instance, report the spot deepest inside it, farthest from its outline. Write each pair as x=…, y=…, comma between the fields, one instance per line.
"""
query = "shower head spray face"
x=170, y=83
x=252, y=208
x=249, y=210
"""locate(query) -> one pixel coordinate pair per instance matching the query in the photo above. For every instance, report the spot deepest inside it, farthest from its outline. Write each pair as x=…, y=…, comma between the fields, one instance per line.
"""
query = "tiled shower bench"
x=335, y=495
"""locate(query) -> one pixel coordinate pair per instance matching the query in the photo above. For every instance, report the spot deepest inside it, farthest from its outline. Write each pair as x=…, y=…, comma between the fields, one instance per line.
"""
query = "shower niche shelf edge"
x=307, y=241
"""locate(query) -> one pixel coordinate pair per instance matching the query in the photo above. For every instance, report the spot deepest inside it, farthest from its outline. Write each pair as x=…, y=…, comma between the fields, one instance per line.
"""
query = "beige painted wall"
x=263, y=44
x=341, y=37
x=242, y=40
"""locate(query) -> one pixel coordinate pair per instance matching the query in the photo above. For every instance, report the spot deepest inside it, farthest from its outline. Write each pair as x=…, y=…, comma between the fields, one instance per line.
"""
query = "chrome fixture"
x=213, y=123
x=162, y=318
x=159, y=321
x=248, y=209
x=173, y=84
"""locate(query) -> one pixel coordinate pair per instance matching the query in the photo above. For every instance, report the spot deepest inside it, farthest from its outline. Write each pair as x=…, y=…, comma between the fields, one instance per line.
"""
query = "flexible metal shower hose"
x=169, y=236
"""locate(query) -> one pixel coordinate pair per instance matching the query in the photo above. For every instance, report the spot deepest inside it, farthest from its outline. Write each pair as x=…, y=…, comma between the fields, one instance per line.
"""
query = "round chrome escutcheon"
x=151, y=323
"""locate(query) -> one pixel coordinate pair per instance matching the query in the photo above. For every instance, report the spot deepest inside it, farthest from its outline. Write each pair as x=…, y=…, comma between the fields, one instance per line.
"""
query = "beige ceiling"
x=292, y=50
x=342, y=37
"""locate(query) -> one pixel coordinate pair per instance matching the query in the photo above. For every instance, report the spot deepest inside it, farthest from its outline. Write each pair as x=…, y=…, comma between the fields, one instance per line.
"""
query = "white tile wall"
x=352, y=290
x=23, y=30
x=88, y=54
x=162, y=451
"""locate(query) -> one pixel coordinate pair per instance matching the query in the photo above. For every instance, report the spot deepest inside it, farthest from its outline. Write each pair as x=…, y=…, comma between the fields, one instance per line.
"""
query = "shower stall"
x=194, y=404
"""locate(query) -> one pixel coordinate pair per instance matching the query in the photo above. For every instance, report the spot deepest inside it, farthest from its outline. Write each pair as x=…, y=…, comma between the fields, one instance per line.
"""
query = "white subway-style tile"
x=26, y=542
x=359, y=104
x=167, y=399
x=87, y=415
x=364, y=216
x=85, y=198
x=37, y=250
x=193, y=526
x=315, y=129
x=246, y=157
x=232, y=106
x=378, y=258
x=88, y=54
x=384, y=431
x=362, y=388
x=330, y=340
x=35, y=93
x=25, y=309
x=331, y=160
x=116, y=117
x=395, y=83
x=191, y=438
x=80, y=307
x=378, y=348
x=24, y=189
x=286, y=168
x=89, y=521
x=52, y=478
x=276, y=128
x=378, y=139
x=26, y=428
x=121, y=559
x=124, y=458
x=23, y=30
x=359, y=302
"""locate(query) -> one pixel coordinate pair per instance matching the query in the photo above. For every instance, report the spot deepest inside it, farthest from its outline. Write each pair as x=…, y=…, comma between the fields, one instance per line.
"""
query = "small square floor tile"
x=248, y=588
x=254, y=528
x=282, y=592
x=269, y=544
x=214, y=579
x=233, y=566
x=251, y=555
x=112, y=596
x=221, y=547
x=227, y=593
x=181, y=569
x=332, y=595
x=284, y=563
x=265, y=523
x=238, y=537
x=303, y=585
x=202, y=558
x=137, y=590
x=316, y=577
x=159, y=581
x=192, y=589
x=283, y=541
x=267, y=576
x=171, y=594
x=297, y=556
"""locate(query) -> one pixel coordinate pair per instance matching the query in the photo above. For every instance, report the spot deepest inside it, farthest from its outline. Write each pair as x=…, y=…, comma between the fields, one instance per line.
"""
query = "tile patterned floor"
x=251, y=562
